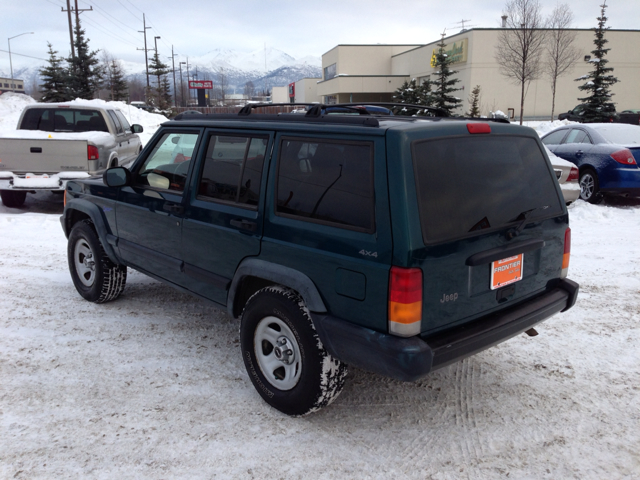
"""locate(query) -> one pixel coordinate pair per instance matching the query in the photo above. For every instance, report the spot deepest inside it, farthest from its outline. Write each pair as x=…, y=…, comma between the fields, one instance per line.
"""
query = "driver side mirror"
x=135, y=128
x=117, y=177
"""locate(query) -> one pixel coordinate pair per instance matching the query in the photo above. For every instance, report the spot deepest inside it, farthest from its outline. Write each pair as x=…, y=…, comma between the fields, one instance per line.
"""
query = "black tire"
x=13, y=198
x=589, y=186
x=94, y=275
x=294, y=374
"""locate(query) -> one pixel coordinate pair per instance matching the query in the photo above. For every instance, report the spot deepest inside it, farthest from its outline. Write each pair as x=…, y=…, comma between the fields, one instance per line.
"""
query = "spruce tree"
x=85, y=71
x=115, y=82
x=411, y=93
x=598, y=106
x=474, y=100
x=161, y=91
x=443, y=83
x=54, y=79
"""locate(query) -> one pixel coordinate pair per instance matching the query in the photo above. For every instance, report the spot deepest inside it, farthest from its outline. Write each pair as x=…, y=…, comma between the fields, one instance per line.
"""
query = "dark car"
x=395, y=244
x=606, y=155
x=577, y=114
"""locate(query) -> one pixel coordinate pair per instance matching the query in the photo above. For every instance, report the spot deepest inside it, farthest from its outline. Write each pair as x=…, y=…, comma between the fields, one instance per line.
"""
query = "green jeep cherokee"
x=395, y=244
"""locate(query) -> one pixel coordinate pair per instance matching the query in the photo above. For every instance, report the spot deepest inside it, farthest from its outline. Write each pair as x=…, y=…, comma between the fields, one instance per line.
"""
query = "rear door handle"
x=579, y=153
x=173, y=208
x=244, y=224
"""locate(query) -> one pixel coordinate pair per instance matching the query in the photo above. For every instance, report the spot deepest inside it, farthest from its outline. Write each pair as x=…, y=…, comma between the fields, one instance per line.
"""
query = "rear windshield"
x=469, y=185
x=620, y=134
x=63, y=120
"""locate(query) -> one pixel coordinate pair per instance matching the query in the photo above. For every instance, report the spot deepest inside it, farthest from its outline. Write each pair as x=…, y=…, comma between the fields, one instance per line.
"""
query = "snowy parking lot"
x=152, y=385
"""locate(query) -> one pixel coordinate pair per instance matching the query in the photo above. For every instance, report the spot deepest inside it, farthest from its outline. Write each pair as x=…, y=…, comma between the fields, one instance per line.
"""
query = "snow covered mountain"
x=266, y=68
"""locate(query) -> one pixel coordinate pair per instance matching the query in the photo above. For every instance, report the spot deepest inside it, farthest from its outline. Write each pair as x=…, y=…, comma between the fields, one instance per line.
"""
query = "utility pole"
x=146, y=58
x=173, y=65
x=79, y=11
x=181, y=84
x=68, y=10
x=189, y=90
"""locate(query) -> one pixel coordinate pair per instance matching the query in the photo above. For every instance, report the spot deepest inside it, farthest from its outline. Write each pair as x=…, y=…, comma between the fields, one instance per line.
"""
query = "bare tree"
x=521, y=44
x=220, y=83
x=560, y=51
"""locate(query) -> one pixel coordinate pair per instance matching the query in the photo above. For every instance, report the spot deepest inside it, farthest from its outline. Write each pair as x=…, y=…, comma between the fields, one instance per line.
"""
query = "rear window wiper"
x=522, y=217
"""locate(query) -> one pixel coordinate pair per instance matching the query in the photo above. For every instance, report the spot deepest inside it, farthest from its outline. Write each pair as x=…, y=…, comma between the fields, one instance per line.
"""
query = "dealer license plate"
x=506, y=271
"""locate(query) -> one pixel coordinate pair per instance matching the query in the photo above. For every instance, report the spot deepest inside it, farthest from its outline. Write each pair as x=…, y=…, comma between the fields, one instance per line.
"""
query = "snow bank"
x=12, y=104
x=543, y=128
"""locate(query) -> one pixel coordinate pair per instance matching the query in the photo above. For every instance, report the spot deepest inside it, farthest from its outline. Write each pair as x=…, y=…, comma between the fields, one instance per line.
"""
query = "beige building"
x=361, y=73
x=305, y=91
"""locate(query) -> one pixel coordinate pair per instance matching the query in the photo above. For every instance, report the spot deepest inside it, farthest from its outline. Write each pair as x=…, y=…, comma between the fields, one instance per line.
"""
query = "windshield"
x=620, y=134
x=469, y=185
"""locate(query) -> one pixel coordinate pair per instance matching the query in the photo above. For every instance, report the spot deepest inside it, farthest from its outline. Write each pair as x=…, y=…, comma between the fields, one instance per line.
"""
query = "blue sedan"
x=606, y=154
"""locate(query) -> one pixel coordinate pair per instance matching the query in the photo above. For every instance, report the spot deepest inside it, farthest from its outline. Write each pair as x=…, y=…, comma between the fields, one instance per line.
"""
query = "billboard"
x=201, y=84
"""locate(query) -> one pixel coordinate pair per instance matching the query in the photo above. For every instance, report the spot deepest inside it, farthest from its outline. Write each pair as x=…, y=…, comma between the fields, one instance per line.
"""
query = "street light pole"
x=9, y=43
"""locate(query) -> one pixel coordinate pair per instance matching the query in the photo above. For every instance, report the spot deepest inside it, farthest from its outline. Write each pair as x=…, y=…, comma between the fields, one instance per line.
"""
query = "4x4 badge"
x=368, y=254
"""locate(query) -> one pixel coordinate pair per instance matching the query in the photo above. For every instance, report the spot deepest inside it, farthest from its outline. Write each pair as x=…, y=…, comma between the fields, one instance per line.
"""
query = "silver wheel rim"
x=84, y=262
x=587, y=185
x=277, y=353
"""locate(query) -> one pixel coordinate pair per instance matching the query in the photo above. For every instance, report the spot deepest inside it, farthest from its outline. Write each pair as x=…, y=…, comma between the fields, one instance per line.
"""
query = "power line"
x=112, y=19
x=21, y=55
x=125, y=7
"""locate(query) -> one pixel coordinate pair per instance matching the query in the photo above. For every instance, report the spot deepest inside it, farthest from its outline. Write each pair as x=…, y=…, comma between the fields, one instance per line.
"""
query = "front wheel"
x=13, y=198
x=590, y=187
x=94, y=275
x=285, y=359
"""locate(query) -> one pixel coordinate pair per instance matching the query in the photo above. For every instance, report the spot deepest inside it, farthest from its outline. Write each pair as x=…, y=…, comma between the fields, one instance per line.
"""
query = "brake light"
x=567, y=253
x=65, y=198
x=624, y=156
x=574, y=175
x=92, y=153
x=479, y=127
x=405, y=301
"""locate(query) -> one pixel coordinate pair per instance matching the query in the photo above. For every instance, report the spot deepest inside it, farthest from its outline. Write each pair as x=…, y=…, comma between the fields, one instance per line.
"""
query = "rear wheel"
x=94, y=275
x=589, y=186
x=12, y=198
x=285, y=359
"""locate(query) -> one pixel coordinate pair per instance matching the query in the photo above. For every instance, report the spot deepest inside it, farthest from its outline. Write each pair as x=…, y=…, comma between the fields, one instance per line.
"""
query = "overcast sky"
x=299, y=28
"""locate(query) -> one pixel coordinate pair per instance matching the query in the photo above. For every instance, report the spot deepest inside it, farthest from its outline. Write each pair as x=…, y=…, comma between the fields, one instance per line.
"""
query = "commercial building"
x=11, y=85
x=371, y=73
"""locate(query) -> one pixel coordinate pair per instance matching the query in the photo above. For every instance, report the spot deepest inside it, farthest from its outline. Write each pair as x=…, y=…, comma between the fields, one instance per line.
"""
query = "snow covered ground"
x=152, y=385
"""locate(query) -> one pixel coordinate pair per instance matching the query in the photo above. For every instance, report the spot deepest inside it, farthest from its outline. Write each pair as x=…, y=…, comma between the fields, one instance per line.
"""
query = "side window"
x=167, y=165
x=554, y=138
x=123, y=121
x=576, y=136
x=327, y=182
x=232, y=169
x=116, y=122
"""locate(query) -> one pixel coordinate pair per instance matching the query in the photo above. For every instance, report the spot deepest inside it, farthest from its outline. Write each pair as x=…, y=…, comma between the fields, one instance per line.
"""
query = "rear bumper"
x=51, y=181
x=625, y=181
x=409, y=359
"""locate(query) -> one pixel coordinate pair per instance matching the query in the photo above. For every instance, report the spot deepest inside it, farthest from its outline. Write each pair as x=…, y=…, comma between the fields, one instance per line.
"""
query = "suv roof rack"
x=316, y=109
x=317, y=112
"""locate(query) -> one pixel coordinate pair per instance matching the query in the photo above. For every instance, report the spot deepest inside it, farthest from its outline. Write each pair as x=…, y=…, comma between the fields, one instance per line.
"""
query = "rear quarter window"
x=470, y=185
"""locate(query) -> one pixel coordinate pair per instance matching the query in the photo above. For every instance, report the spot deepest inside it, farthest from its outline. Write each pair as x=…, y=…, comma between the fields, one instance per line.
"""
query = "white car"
x=567, y=175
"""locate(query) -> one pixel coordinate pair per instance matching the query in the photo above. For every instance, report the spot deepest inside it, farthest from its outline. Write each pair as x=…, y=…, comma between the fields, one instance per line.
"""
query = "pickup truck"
x=626, y=116
x=57, y=142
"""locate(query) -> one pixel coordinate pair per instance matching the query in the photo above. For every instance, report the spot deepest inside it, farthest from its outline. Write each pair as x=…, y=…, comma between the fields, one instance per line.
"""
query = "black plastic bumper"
x=409, y=359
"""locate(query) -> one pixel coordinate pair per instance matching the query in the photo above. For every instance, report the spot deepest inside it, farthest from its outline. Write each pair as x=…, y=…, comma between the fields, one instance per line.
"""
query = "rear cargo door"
x=492, y=224
x=42, y=155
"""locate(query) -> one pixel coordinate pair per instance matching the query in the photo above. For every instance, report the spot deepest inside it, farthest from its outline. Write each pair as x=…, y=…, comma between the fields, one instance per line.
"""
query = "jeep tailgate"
x=21, y=156
x=493, y=225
